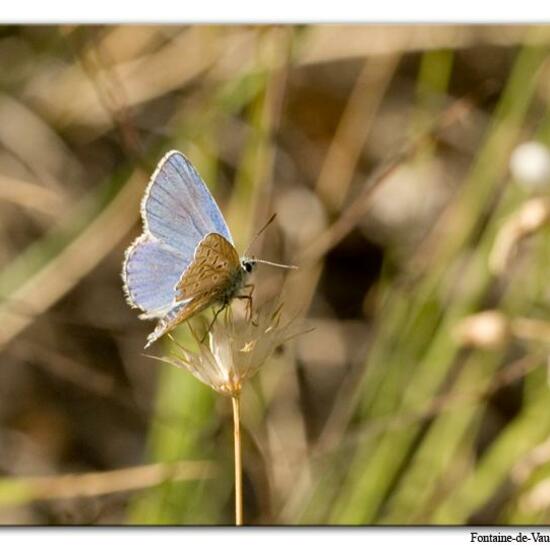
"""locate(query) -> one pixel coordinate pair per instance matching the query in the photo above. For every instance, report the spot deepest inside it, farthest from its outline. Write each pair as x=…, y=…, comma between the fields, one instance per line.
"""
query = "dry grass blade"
x=31, y=195
x=340, y=42
x=26, y=489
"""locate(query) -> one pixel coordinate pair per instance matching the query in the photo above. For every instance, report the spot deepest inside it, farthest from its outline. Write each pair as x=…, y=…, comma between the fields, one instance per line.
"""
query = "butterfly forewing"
x=214, y=268
x=177, y=207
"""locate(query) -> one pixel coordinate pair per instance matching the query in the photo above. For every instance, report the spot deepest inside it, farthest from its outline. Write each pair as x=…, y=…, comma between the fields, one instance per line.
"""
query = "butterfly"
x=185, y=260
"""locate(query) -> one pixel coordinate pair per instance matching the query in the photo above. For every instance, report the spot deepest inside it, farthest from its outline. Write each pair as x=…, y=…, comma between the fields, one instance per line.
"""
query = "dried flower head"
x=530, y=165
x=487, y=329
x=532, y=216
x=234, y=349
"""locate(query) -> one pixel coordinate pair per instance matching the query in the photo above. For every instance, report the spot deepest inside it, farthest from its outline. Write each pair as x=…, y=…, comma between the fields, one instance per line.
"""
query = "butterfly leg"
x=216, y=313
x=249, y=298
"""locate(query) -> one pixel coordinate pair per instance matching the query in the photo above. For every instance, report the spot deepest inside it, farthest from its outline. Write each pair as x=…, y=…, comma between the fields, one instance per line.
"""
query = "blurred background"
x=410, y=171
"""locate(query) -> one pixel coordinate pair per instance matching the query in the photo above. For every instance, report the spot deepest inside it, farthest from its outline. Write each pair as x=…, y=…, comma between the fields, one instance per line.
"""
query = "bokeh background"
x=409, y=169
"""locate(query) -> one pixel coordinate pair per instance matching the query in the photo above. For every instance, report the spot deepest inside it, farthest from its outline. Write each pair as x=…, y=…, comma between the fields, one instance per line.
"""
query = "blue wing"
x=150, y=273
x=177, y=207
x=177, y=211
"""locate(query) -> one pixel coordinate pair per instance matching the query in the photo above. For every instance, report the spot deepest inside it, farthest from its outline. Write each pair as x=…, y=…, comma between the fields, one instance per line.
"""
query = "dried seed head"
x=234, y=349
x=530, y=165
x=489, y=330
x=531, y=216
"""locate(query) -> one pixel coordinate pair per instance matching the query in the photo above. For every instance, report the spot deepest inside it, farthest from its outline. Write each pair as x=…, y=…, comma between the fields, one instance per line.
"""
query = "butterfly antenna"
x=269, y=222
x=284, y=266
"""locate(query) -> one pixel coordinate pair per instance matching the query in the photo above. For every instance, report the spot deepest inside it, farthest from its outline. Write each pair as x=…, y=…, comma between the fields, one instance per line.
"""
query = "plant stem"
x=238, y=461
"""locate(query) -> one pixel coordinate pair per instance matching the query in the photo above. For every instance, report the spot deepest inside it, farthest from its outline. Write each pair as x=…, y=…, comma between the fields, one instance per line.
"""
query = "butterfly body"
x=185, y=260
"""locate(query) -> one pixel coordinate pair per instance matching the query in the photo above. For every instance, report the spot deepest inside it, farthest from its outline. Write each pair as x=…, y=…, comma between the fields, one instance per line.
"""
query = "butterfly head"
x=249, y=264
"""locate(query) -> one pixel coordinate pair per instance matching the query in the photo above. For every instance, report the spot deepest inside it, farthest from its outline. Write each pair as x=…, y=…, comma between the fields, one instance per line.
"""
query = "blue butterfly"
x=185, y=259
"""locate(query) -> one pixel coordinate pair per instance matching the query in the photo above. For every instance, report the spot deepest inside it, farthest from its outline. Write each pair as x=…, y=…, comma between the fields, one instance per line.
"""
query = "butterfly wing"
x=150, y=273
x=177, y=211
x=212, y=270
x=213, y=276
x=179, y=314
x=177, y=207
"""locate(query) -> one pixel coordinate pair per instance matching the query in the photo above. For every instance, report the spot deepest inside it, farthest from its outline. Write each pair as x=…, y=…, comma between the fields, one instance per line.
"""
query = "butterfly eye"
x=247, y=266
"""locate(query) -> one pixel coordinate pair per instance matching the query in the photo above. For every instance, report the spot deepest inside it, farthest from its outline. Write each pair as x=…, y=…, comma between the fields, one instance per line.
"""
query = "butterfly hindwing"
x=179, y=314
x=150, y=273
